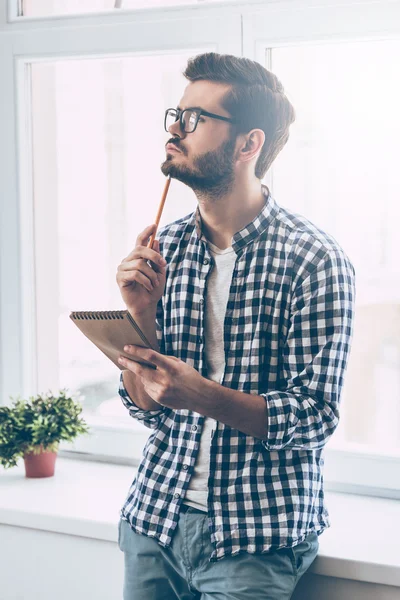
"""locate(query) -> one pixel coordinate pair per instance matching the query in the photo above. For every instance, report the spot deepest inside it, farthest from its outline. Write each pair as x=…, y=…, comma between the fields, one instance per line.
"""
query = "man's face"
x=205, y=161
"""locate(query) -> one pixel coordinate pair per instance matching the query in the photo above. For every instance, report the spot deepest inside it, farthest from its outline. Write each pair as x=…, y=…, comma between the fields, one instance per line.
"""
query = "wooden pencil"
x=160, y=209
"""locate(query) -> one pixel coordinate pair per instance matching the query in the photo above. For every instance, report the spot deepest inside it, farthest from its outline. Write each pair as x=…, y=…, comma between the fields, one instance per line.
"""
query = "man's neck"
x=222, y=218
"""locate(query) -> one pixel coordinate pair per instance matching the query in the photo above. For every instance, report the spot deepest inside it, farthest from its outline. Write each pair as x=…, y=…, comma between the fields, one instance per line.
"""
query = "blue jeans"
x=183, y=571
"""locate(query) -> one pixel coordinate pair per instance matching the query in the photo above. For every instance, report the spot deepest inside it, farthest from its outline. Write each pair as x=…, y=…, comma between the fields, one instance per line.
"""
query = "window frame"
x=236, y=28
x=13, y=11
x=23, y=46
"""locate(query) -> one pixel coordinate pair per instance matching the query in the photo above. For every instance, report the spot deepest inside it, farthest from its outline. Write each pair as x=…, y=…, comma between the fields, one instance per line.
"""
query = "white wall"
x=42, y=565
x=318, y=587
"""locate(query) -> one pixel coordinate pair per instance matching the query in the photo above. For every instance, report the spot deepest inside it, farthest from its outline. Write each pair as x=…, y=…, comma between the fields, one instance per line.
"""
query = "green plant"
x=38, y=424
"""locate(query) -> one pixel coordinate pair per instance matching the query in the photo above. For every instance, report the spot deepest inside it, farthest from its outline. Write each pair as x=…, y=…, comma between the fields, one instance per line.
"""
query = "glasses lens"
x=189, y=118
x=170, y=118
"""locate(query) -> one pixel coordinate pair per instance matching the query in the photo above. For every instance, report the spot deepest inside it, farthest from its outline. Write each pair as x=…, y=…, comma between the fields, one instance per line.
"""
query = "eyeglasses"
x=188, y=118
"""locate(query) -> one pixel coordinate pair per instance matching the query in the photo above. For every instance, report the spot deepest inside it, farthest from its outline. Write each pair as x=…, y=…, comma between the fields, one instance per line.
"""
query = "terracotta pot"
x=40, y=465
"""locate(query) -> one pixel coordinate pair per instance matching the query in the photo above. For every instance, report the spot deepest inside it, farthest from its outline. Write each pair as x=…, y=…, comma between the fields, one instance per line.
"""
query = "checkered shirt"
x=287, y=333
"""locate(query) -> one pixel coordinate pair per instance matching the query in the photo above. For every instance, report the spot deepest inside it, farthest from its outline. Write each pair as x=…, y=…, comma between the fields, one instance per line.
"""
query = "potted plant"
x=33, y=429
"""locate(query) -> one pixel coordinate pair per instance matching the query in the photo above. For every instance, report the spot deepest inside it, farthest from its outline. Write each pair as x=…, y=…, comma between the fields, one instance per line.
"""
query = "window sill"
x=84, y=499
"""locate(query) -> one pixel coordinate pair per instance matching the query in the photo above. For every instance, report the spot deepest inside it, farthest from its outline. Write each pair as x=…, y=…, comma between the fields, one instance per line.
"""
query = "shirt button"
x=194, y=427
x=177, y=496
x=206, y=261
x=200, y=339
x=201, y=300
x=185, y=467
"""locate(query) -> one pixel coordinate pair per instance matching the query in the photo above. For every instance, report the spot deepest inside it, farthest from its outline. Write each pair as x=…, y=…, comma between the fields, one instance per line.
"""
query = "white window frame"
x=246, y=29
x=26, y=43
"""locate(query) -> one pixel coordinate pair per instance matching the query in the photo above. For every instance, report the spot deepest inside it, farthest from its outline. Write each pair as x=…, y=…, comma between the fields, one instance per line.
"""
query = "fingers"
x=127, y=277
x=146, y=254
x=144, y=265
x=143, y=238
x=142, y=251
x=147, y=275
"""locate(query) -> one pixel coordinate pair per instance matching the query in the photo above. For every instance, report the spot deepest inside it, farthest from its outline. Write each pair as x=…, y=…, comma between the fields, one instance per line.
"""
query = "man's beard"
x=212, y=175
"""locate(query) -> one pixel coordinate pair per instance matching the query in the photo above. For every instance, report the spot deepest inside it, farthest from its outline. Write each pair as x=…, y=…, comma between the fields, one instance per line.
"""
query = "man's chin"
x=167, y=168
x=179, y=177
x=192, y=180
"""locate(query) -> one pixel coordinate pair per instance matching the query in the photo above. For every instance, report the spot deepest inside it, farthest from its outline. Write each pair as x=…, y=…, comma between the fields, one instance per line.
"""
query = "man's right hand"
x=137, y=280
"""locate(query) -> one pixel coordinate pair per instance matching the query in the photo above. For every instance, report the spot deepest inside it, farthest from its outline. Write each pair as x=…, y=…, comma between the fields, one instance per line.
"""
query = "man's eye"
x=201, y=119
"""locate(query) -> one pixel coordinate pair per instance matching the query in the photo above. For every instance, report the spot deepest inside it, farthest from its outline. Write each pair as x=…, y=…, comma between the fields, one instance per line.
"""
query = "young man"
x=253, y=319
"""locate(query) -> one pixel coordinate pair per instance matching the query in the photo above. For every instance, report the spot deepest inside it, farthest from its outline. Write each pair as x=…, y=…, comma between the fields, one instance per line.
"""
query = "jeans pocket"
x=293, y=560
x=305, y=553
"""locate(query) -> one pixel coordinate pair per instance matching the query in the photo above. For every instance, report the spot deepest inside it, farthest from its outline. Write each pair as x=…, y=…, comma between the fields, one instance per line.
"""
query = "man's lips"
x=173, y=148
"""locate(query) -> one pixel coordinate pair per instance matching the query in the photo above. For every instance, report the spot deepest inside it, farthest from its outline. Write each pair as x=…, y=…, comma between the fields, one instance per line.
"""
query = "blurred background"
x=98, y=144
x=84, y=85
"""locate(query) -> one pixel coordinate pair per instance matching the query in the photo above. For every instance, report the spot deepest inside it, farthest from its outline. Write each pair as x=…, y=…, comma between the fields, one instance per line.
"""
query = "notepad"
x=110, y=331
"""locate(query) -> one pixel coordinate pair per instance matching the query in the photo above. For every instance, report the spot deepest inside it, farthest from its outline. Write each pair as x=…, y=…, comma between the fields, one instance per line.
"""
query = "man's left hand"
x=173, y=384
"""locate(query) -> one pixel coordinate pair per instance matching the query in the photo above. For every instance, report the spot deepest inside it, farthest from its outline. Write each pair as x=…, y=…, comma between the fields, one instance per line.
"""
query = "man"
x=253, y=319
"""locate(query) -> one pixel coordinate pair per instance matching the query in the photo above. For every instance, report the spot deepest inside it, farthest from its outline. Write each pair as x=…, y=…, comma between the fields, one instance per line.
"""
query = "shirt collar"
x=252, y=230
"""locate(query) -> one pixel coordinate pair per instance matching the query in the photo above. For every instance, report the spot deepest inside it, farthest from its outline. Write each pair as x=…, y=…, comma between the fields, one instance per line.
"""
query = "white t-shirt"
x=218, y=286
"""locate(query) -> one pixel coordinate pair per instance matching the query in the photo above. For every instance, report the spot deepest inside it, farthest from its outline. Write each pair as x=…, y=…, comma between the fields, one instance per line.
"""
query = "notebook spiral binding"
x=108, y=315
x=98, y=315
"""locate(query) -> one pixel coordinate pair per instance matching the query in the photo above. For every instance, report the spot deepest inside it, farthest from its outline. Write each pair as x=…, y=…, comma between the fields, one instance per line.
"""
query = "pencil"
x=160, y=209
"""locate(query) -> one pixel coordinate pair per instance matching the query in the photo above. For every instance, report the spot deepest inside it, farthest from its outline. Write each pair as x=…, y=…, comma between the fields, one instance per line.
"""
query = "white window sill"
x=84, y=499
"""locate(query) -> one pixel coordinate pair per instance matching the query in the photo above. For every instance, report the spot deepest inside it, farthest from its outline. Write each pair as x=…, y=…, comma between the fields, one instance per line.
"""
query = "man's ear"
x=254, y=142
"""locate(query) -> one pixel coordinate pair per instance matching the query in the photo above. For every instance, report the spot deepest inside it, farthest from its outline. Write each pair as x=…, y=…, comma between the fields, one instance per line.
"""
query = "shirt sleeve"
x=315, y=357
x=149, y=418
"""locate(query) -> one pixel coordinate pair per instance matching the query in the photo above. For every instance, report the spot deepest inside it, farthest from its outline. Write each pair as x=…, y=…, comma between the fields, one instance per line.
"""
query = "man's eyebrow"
x=197, y=107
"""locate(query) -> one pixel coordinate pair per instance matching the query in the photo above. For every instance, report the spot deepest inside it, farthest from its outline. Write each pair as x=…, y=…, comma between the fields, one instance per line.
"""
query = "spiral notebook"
x=110, y=331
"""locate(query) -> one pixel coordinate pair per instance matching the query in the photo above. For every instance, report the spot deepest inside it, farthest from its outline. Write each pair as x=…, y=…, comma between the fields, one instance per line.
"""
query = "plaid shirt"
x=287, y=333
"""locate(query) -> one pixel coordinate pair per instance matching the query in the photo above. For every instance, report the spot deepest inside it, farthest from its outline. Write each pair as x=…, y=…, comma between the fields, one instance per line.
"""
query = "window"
x=83, y=141
x=339, y=169
x=98, y=141
x=81, y=148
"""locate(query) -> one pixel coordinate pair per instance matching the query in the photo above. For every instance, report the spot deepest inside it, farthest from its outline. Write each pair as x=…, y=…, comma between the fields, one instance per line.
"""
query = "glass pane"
x=46, y=8
x=339, y=169
x=99, y=142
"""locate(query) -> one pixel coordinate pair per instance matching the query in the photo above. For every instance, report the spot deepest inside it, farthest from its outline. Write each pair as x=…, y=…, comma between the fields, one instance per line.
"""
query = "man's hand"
x=177, y=385
x=173, y=384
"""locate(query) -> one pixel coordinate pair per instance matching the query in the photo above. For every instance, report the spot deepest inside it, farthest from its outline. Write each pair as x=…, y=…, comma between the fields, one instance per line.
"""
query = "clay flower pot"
x=40, y=465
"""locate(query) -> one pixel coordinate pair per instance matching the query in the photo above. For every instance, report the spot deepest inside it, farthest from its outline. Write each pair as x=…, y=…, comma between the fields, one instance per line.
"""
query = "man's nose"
x=175, y=128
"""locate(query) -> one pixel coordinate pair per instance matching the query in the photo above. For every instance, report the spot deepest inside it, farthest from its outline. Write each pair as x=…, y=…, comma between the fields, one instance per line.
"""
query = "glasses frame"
x=198, y=111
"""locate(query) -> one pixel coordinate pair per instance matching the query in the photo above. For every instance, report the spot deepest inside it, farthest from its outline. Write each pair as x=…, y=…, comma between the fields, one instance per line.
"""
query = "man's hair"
x=256, y=100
